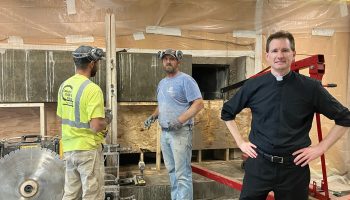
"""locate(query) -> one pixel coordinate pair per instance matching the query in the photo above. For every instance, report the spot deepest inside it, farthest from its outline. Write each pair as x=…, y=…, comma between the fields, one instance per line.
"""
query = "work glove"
x=174, y=125
x=108, y=115
x=105, y=132
x=149, y=121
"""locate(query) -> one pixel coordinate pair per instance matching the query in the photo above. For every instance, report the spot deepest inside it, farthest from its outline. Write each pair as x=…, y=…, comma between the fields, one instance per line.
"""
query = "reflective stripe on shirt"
x=77, y=122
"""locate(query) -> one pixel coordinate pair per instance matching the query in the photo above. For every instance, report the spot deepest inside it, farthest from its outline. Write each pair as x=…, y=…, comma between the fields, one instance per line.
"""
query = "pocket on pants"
x=184, y=139
x=89, y=171
x=87, y=160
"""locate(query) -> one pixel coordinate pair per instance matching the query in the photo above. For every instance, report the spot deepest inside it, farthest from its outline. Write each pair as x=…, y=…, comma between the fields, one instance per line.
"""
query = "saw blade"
x=31, y=173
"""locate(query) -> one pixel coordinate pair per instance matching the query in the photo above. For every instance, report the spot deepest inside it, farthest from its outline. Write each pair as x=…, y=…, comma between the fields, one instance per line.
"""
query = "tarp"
x=51, y=21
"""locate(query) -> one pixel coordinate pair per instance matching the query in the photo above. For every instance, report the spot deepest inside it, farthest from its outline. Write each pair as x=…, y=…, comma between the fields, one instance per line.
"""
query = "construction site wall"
x=19, y=121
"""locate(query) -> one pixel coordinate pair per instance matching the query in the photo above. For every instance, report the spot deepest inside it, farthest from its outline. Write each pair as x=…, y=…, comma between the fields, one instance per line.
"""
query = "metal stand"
x=112, y=187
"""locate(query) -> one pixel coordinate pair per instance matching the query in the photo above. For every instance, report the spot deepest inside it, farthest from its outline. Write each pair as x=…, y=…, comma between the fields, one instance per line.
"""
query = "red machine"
x=316, y=70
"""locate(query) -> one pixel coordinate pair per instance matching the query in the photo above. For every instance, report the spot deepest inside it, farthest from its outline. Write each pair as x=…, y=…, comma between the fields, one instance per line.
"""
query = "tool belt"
x=276, y=159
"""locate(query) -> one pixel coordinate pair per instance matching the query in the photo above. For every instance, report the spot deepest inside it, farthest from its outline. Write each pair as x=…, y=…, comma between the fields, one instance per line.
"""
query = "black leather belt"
x=168, y=129
x=276, y=159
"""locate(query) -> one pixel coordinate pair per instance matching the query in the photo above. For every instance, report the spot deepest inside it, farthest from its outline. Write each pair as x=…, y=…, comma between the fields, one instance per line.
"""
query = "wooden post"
x=199, y=158
x=227, y=154
x=42, y=120
x=158, y=153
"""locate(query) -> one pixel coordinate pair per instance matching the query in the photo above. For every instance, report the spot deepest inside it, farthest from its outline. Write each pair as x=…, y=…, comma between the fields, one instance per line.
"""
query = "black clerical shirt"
x=282, y=111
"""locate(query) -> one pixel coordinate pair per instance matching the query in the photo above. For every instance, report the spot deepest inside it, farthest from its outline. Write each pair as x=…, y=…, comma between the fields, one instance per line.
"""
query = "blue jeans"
x=177, y=153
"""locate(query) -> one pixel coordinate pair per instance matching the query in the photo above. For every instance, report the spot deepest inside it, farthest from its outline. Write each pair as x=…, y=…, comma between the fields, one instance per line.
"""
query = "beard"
x=169, y=69
x=93, y=71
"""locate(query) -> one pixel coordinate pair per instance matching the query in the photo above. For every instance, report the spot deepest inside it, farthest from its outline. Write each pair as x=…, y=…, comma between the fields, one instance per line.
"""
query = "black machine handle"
x=240, y=83
x=233, y=86
x=330, y=85
x=34, y=138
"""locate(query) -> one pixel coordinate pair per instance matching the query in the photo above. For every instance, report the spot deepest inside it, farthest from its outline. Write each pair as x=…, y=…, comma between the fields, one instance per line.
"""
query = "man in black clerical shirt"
x=283, y=104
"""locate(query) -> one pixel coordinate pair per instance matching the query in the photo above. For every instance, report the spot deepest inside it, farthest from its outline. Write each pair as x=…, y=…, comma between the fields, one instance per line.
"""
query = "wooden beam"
x=199, y=158
x=158, y=152
x=137, y=103
x=42, y=120
x=227, y=154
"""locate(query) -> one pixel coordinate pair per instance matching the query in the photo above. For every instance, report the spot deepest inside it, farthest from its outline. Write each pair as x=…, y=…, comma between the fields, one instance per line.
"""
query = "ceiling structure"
x=56, y=22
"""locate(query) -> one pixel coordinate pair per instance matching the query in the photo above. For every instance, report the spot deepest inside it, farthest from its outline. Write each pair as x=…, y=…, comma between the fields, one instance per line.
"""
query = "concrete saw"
x=33, y=173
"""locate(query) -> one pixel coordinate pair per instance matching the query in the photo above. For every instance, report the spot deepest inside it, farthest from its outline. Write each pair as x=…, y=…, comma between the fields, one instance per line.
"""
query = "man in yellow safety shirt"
x=80, y=106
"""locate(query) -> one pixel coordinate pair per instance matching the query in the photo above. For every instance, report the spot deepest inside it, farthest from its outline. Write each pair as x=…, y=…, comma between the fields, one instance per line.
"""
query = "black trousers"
x=287, y=181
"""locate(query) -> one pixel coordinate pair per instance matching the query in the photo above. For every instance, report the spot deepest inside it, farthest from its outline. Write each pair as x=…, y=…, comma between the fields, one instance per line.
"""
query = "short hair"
x=81, y=63
x=279, y=35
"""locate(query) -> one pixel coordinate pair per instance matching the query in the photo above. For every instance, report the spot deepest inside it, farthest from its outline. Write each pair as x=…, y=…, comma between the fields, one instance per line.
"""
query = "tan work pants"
x=84, y=177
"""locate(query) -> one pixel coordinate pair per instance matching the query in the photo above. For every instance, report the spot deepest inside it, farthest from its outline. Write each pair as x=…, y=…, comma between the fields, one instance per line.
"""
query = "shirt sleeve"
x=95, y=103
x=236, y=104
x=327, y=105
x=192, y=90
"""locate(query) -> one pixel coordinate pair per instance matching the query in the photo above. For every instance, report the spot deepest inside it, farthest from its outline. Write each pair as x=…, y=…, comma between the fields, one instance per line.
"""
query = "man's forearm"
x=98, y=124
x=156, y=112
x=334, y=134
x=232, y=127
x=308, y=154
x=196, y=106
x=245, y=146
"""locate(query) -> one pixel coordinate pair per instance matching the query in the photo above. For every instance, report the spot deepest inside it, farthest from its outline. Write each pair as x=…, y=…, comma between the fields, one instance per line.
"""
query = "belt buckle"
x=277, y=159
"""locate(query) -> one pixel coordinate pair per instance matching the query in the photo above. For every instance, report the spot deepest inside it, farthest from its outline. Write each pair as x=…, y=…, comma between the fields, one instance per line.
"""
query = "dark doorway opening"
x=210, y=78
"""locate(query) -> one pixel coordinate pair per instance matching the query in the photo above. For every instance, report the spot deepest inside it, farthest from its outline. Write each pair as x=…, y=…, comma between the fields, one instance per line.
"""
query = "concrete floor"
x=157, y=182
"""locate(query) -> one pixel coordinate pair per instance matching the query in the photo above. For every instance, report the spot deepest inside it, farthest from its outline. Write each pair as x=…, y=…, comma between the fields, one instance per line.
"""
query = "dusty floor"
x=157, y=182
x=157, y=187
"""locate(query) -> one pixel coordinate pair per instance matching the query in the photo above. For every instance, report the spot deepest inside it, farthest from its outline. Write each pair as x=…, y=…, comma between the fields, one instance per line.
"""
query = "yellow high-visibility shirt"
x=79, y=100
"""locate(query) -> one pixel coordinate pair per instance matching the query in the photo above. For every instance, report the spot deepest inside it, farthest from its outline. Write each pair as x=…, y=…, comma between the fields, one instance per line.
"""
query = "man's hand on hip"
x=248, y=148
x=308, y=154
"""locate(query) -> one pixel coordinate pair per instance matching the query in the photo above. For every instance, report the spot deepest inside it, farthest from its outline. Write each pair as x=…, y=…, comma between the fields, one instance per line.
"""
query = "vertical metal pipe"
x=323, y=162
x=108, y=71
x=114, y=103
x=111, y=76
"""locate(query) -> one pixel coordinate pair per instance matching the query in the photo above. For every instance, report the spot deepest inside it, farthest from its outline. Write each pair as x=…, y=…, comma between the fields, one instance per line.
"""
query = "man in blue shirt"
x=179, y=100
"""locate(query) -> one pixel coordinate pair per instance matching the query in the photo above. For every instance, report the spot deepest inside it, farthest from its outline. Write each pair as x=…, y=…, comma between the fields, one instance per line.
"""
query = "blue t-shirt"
x=174, y=96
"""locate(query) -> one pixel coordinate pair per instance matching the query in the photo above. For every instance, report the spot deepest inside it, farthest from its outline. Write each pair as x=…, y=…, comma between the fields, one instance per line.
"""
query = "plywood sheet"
x=26, y=121
x=210, y=132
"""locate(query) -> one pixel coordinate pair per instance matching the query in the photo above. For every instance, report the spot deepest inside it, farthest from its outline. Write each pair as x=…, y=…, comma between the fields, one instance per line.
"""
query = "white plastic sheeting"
x=51, y=21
